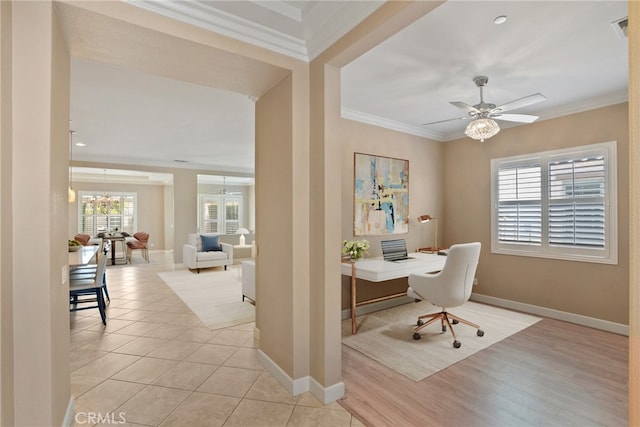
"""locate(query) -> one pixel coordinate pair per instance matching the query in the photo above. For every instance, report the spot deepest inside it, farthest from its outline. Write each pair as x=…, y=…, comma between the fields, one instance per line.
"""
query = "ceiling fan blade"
x=521, y=118
x=444, y=121
x=520, y=103
x=465, y=106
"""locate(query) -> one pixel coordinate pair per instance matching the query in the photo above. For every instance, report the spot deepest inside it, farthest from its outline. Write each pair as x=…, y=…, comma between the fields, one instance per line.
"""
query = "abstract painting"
x=381, y=195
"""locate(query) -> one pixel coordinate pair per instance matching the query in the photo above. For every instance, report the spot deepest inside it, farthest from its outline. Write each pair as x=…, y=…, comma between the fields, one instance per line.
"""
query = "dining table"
x=83, y=256
x=114, y=238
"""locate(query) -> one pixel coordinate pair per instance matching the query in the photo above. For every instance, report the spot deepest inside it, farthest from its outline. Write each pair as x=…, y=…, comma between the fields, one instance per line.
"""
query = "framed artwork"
x=380, y=195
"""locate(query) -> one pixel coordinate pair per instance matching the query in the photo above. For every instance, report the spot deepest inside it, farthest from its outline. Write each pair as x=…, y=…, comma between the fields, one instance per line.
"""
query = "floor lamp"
x=426, y=218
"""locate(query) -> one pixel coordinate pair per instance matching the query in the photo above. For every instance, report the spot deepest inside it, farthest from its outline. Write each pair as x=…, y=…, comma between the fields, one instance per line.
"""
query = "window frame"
x=222, y=220
x=133, y=195
x=606, y=255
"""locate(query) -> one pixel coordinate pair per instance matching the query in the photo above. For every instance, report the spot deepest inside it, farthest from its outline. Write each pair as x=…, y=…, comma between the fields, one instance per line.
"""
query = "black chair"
x=85, y=290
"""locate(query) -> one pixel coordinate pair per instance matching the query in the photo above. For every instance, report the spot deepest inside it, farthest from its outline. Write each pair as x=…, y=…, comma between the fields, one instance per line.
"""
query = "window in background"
x=220, y=213
x=106, y=213
x=557, y=204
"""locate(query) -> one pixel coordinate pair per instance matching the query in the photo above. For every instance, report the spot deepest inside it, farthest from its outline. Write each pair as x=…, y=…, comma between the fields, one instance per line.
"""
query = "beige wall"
x=426, y=169
x=594, y=290
x=39, y=204
x=277, y=247
x=6, y=220
x=150, y=208
x=634, y=208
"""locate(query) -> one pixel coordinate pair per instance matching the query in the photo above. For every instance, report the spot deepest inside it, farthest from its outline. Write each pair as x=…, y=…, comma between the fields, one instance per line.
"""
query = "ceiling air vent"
x=620, y=26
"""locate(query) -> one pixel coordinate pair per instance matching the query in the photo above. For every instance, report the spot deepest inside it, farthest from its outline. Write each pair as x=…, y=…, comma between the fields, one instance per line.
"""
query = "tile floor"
x=156, y=364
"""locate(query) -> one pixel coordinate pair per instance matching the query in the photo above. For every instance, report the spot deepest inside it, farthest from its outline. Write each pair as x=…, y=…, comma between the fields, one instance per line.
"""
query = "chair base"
x=446, y=319
x=145, y=254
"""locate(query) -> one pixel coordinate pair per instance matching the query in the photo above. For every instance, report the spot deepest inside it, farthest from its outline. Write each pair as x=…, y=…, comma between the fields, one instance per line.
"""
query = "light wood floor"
x=551, y=374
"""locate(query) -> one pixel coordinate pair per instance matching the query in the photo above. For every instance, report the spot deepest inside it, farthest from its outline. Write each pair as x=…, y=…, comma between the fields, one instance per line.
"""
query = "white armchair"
x=195, y=258
x=450, y=287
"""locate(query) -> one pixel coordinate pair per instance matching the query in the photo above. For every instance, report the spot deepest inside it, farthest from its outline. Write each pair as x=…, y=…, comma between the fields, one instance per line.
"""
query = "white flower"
x=355, y=248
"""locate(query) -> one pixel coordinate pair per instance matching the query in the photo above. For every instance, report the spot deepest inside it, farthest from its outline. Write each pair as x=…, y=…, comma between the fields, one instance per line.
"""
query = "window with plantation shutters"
x=106, y=213
x=219, y=213
x=557, y=204
x=519, y=204
x=577, y=202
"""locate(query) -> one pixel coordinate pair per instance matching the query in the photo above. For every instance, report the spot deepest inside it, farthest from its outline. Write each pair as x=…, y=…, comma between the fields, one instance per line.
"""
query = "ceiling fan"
x=483, y=114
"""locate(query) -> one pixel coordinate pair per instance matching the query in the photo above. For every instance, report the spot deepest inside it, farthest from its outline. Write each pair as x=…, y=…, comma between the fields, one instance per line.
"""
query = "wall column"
x=634, y=214
x=40, y=121
x=6, y=221
x=326, y=232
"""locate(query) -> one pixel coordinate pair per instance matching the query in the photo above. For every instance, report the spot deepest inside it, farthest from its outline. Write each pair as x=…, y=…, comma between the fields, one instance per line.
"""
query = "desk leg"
x=353, y=298
x=113, y=253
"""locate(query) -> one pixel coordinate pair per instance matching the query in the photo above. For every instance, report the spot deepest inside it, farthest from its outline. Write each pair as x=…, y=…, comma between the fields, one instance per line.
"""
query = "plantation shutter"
x=577, y=202
x=519, y=204
x=210, y=215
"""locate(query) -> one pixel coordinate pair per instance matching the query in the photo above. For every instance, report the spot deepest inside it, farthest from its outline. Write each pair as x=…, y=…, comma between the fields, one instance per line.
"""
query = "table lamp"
x=426, y=218
x=242, y=231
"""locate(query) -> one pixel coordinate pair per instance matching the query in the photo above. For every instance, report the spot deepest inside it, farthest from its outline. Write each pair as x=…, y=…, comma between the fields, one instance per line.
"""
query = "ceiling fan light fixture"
x=481, y=129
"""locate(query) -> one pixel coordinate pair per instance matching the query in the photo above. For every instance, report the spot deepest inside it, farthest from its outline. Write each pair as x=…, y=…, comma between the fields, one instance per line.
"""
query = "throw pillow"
x=210, y=243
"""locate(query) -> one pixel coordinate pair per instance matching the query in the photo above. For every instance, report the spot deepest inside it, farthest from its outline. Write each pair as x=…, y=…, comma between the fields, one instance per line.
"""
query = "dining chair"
x=88, y=271
x=141, y=242
x=81, y=288
x=448, y=288
x=82, y=238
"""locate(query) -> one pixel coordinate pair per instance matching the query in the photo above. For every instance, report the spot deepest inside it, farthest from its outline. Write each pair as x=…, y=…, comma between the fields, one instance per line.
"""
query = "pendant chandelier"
x=105, y=199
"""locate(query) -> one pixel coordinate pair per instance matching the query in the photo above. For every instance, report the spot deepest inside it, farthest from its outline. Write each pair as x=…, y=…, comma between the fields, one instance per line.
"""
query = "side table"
x=241, y=252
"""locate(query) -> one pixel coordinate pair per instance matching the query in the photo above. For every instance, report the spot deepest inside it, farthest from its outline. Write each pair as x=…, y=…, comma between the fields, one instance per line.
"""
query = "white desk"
x=82, y=256
x=378, y=270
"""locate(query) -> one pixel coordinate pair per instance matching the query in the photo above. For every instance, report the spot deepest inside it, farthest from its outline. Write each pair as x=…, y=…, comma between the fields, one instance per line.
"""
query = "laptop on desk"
x=395, y=250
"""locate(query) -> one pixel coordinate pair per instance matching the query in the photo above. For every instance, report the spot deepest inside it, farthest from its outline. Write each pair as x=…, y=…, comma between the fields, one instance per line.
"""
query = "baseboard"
x=376, y=306
x=68, y=420
x=302, y=385
x=329, y=394
x=592, y=322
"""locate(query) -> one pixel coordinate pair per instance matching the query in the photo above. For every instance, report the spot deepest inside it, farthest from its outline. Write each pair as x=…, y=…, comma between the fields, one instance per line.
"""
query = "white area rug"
x=215, y=296
x=387, y=336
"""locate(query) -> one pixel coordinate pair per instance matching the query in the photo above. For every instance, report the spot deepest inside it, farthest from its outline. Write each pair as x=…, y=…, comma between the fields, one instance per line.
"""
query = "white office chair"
x=450, y=287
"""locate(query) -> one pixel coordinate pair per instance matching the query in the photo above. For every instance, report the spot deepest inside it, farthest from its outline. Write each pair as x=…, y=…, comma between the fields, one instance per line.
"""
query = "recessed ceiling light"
x=500, y=19
x=80, y=144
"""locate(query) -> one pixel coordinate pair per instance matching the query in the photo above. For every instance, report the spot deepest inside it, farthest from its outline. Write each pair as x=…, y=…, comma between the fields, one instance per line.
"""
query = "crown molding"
x=346, y=18
x=587, y=105
x=281, y=8
x=210, y=18
x=370, y=119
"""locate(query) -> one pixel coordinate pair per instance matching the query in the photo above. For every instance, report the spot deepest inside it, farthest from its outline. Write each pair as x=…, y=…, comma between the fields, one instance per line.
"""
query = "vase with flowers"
x=355, y=249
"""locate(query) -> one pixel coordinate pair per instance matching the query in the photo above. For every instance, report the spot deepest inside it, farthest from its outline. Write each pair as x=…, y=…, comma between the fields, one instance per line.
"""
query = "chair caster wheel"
x=444, y=328
x=480, y=332
x=457, y=344
x=454, y=322
x=419, y=322
x=416, y=336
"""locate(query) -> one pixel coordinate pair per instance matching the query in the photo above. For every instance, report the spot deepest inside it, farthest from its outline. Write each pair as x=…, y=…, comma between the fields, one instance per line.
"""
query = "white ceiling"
x=130, y=117
x=568, y=51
